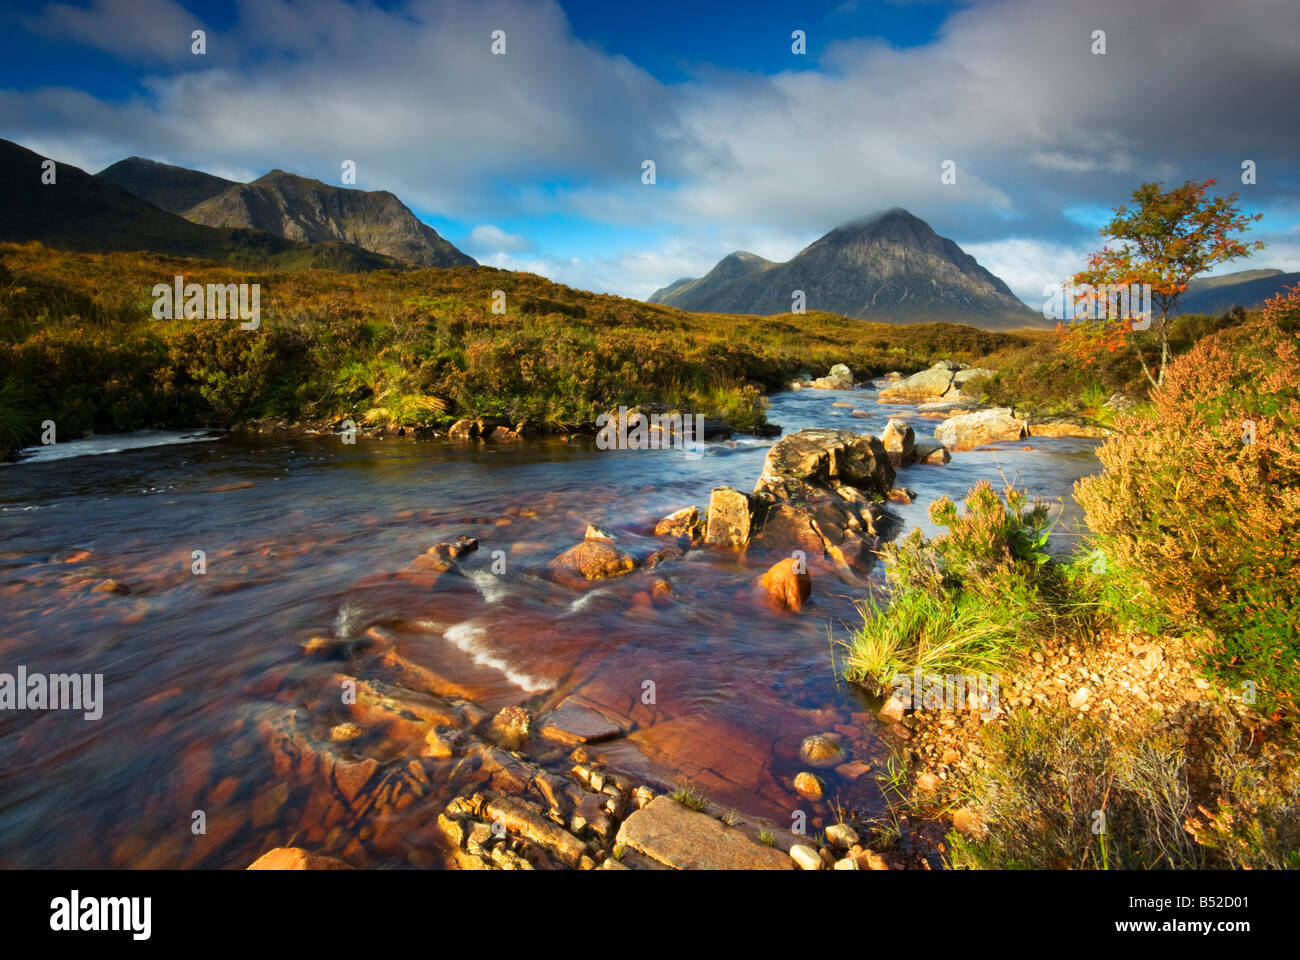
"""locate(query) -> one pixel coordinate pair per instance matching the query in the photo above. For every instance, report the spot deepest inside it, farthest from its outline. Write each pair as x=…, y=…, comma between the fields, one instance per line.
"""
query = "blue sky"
x=533, y=160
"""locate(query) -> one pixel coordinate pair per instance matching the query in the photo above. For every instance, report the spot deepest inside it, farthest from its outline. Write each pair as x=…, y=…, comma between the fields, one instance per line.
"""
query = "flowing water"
x=306, y=537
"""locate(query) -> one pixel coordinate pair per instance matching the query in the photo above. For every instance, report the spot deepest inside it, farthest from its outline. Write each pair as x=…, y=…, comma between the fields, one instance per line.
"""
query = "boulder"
x=593, y=560
x=899, y=440
x=931, y=451
x=787, y=584
x=970, y=430
x=970, y=373
x=731, y=518
x=808, y=465
x=919, y=387
x=840, y=377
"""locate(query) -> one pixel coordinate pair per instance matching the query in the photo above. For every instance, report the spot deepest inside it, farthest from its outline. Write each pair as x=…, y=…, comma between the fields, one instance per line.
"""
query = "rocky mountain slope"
x=891, y=267
x=290, y=206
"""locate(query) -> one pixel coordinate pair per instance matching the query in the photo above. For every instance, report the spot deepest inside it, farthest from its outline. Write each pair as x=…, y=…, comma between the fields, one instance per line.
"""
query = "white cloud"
x=138, y=30
x=1009, y=92
x=492, y=240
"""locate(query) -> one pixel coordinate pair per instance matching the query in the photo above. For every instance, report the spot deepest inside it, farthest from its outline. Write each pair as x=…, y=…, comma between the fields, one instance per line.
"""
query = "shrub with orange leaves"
x=1200, y=499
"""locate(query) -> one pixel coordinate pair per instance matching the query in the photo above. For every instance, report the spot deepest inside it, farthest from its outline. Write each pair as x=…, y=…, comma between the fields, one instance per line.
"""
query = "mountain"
x=87, y=214
x=170, y=188
x=1245, y=288
x=891, y=268
x=290, y=206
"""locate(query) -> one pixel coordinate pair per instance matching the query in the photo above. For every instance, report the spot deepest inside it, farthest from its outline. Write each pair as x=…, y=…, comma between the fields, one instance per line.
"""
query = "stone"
x=475, y=428
x=599, y=533
x=841, y=836
x=343, y=732
x=296, y=858
x=853, y=769
x=848, y=863
x=899, y=440
x=927, y=782
x=788, y=584
x=576, y=720
x=821, y=751
x=926, y=385
x=513, y=724
x=593, y=560
x=453, y=549
x=730, y=518
x=970, y=430
x=809, y=464
x=806, y=857
x=930, y=451
x=1079, y=698
x=968, y=823
x=809, y=786
x=681, y=523
x=684, y=839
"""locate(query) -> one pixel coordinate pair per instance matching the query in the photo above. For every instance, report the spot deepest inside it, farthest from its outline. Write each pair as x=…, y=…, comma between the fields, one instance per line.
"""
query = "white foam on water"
x=112, y=443
x=352, y=617
x=487, y=583
x=585, y=599
x=468, y=636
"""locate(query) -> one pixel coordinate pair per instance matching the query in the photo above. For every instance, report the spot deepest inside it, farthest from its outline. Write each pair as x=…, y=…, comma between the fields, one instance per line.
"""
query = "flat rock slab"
x=683, y=839
x=577, y=720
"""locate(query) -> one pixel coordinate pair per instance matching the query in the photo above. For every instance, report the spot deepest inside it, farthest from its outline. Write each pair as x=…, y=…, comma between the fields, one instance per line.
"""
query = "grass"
x=417, y=348
x=688, y=795
x=767, y=837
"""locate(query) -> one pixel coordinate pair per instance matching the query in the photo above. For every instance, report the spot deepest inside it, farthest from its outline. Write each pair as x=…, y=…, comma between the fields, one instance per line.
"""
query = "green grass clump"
x=966, y=601
x=688, y=795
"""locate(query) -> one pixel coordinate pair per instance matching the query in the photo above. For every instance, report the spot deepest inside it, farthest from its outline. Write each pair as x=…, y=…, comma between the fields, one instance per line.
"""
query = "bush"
x=1207, y=523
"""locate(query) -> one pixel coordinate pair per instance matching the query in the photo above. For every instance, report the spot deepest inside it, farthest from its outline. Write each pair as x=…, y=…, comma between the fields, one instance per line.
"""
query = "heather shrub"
x=1200, y=498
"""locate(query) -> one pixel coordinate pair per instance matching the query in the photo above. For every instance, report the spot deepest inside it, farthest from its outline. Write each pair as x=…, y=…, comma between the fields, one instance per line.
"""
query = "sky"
x=533, y=159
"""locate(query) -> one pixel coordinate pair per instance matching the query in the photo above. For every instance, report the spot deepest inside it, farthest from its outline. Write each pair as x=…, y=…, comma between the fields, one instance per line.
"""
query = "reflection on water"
x=306, y=537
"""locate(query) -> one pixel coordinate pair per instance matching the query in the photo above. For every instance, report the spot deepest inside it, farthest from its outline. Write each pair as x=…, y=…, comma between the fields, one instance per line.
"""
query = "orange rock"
x=787, y=585
x=296, y=858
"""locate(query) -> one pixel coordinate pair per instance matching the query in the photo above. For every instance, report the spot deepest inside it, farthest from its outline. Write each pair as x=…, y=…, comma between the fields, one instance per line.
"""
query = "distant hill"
x=1245, y=288
x=87, y=214
x=891, y=268
x=290, y=206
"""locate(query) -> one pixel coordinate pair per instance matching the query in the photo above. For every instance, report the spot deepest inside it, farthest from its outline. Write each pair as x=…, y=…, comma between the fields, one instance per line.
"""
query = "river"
x=305, y=537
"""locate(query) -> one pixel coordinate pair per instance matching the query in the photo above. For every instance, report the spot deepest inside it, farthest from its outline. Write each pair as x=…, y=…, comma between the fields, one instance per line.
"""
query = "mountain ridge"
x=291, y=206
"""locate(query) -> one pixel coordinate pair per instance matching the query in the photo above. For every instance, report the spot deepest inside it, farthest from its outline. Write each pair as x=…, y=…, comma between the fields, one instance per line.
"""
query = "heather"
x=415, y=348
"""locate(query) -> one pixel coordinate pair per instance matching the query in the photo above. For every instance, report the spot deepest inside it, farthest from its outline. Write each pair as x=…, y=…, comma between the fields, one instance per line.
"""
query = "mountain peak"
x=889, y=266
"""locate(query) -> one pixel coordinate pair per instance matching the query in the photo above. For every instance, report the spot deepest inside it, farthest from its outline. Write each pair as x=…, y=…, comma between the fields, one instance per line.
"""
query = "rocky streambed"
x=467, y=653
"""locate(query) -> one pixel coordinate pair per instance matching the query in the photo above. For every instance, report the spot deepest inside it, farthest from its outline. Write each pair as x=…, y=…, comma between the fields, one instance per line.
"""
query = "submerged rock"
x=821, y=751
x=787, y=584
x=594, y=560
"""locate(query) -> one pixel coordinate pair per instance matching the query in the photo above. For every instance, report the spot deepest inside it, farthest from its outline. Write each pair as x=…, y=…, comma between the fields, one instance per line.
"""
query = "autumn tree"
x=1168, y=238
